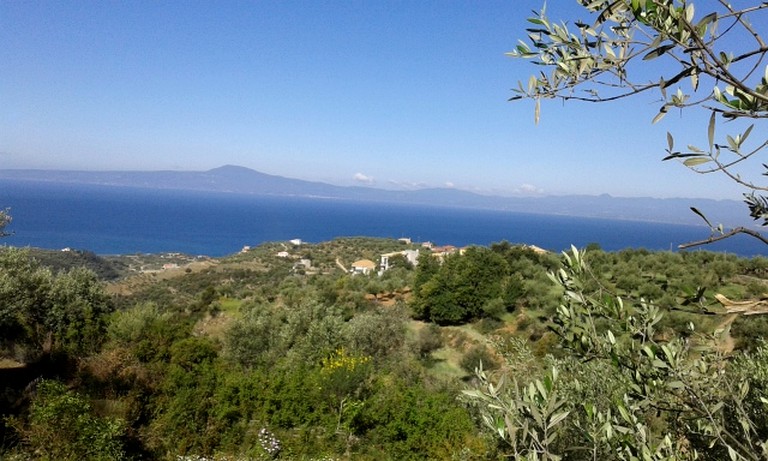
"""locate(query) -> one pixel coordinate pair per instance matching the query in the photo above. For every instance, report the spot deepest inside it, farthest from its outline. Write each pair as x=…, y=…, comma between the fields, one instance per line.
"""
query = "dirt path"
x=341, y=266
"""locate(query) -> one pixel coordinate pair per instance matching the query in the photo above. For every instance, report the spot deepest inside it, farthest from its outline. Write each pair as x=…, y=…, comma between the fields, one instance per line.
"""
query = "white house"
x=411, y=255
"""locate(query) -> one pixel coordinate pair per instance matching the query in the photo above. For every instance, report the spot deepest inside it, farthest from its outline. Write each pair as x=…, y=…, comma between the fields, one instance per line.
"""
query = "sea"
x=120, y=220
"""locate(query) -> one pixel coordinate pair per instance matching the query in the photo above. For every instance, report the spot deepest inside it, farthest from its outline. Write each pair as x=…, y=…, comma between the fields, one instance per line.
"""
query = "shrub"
x=488, y=325
x=146, y=331
x=61, y=426
x=429, y=340
x=413, y=422
x=377, y=334
x=475, y=356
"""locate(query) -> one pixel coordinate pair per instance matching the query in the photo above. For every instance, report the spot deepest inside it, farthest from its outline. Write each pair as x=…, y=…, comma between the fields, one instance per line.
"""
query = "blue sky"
x=381, y=93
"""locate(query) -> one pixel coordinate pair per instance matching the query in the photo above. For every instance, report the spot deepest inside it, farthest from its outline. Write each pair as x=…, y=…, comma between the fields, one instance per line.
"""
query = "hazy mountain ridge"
x=241, y=180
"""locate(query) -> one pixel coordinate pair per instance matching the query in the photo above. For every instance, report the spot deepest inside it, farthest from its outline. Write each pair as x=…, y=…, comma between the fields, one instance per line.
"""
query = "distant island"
x=241, y=180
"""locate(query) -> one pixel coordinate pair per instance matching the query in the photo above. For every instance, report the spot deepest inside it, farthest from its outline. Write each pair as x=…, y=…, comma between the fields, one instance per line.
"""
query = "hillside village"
x=409, y=256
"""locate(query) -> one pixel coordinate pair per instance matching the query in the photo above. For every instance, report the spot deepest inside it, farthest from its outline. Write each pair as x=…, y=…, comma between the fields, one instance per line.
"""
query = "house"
x=302, y=265
x=283, y=254
x=405, y=240
x=444, y=250
x=295, y=242
x=535, y=249
x=363, y=266
x=411, y=255
x=440, y=252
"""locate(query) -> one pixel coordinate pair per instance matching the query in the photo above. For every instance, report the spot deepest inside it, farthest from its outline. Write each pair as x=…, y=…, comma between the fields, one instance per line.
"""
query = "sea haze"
x=122, y=220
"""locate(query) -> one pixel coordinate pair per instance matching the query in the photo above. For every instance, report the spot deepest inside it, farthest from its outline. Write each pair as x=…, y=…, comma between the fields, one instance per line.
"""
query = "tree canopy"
x=5, y=219
x=714, y=46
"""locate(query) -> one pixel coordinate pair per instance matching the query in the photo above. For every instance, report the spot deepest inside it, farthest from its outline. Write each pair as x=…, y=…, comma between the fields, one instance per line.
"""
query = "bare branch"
x=731, y=233
x=739, y=17
x=725, y=168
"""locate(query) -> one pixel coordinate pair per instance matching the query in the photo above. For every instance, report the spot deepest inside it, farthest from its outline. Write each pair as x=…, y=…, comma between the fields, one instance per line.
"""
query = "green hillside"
x=278, y=352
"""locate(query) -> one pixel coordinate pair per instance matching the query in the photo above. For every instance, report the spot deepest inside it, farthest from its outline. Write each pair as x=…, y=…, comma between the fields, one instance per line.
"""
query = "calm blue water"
x=110, y=220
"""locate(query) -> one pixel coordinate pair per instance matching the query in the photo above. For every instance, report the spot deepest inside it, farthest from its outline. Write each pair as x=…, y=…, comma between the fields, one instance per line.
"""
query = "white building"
x=411, y=255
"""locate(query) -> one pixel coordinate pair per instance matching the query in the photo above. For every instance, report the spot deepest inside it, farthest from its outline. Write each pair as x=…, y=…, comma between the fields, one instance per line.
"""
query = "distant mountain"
x=241, y=180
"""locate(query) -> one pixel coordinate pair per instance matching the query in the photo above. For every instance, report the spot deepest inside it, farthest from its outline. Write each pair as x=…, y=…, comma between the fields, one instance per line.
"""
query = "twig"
x=731, y=233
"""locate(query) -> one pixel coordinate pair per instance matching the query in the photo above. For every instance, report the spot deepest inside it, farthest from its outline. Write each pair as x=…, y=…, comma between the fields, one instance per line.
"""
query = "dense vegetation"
x=265, y=356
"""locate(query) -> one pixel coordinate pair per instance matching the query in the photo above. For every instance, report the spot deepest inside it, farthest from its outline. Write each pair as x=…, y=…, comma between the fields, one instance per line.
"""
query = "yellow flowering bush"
x=343, y=378
x=340, y=361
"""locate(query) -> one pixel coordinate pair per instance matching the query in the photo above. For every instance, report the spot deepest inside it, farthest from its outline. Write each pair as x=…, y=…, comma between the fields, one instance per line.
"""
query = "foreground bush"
x=667, y=398
x=62, y=427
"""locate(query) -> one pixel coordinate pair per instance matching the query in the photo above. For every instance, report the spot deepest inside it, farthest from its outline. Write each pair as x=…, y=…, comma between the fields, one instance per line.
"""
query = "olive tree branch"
x=731, y=233
x=721, y=71
x=725, y=168
x=738, y=15
x=732, y=114
x=722, y=434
